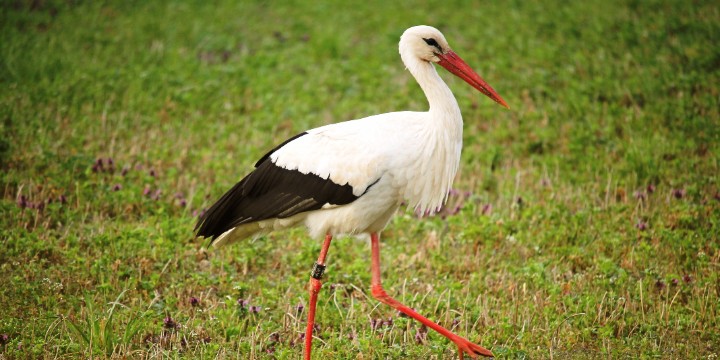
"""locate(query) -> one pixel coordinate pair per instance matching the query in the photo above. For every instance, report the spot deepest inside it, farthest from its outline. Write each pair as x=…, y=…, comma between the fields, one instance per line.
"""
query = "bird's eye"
x=433, y=42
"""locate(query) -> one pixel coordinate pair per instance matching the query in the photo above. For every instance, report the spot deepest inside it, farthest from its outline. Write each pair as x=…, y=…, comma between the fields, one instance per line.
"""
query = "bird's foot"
x=465, y=346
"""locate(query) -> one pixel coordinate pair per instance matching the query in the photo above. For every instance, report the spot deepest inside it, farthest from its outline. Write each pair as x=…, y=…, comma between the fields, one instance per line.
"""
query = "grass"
x=589, y=230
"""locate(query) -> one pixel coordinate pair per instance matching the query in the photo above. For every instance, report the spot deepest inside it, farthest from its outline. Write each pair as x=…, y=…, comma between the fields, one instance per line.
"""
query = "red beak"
x=454, y=64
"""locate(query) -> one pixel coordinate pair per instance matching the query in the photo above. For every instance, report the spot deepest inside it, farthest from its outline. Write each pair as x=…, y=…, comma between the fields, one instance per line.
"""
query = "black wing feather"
x=271, y=191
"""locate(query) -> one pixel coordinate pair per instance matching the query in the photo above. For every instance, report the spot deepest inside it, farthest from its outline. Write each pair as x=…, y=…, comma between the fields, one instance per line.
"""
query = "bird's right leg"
x=315, y=285
x=464, y=345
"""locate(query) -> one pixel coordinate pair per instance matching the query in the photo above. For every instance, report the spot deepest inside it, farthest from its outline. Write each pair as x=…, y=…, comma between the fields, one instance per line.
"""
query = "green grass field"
x=589, y=212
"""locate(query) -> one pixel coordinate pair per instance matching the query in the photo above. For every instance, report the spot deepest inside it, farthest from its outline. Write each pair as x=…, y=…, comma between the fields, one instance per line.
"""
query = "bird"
x=350, y=178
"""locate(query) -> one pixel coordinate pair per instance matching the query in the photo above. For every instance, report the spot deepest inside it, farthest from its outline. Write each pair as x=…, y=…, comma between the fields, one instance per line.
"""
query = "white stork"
x=351, y=177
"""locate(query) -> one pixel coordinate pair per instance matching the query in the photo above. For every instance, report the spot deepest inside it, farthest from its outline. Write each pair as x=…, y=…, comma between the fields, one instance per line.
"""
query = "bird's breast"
x=427, y=176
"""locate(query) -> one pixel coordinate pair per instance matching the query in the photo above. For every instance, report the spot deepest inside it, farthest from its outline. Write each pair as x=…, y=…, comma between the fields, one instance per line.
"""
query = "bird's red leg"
x=315, y=285
x=464, y=345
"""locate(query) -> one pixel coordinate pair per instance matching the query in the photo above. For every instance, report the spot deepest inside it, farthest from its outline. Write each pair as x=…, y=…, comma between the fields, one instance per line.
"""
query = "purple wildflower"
x=125, y=170
x=299, y=308
x=243, y=303
x=641, y=225
x=98, y=165
x=254, y=309
x=650, y=188
x=351, y=336
x=146, y=190
x=455, y=323
x=389, y=322
x=111, y=165
x=194, y=301
x=117, y=187
x=421, y=335
x=169, y=323
x=22, y=201
x=640, y=195
x=675, y=282
x=62, y=199
x=152, y=173
x=456, y=210
x=4, y=339
x=274, y=337
x=486, y=209
x=181, y=199
x=156, y=195
x=375, y=323
x=659, y=284
x=299, y=339
x=678, y=193
x=687, y=278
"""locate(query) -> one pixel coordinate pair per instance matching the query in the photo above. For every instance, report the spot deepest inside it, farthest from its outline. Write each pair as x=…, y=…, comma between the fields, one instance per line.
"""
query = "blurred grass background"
x=589, y=213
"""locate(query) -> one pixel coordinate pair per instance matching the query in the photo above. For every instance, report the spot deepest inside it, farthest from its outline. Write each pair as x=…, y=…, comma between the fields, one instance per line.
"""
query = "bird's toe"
x=467, y=347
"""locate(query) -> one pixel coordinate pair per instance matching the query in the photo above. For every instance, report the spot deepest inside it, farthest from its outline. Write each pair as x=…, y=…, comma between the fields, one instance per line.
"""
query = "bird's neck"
x=443, y=106
x=443, y=142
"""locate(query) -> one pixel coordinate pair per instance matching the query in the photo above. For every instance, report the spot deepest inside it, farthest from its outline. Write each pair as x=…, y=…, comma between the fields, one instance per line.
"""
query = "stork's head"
x=428, y=44
x=424, y=42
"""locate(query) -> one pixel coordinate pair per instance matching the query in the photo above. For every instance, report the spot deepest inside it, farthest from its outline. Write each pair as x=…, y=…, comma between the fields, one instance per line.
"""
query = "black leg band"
x=317, y=271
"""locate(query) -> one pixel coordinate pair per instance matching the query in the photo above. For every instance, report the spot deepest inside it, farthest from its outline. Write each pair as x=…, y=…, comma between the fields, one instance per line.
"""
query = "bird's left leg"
x=464, y=345
x=315, y=285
